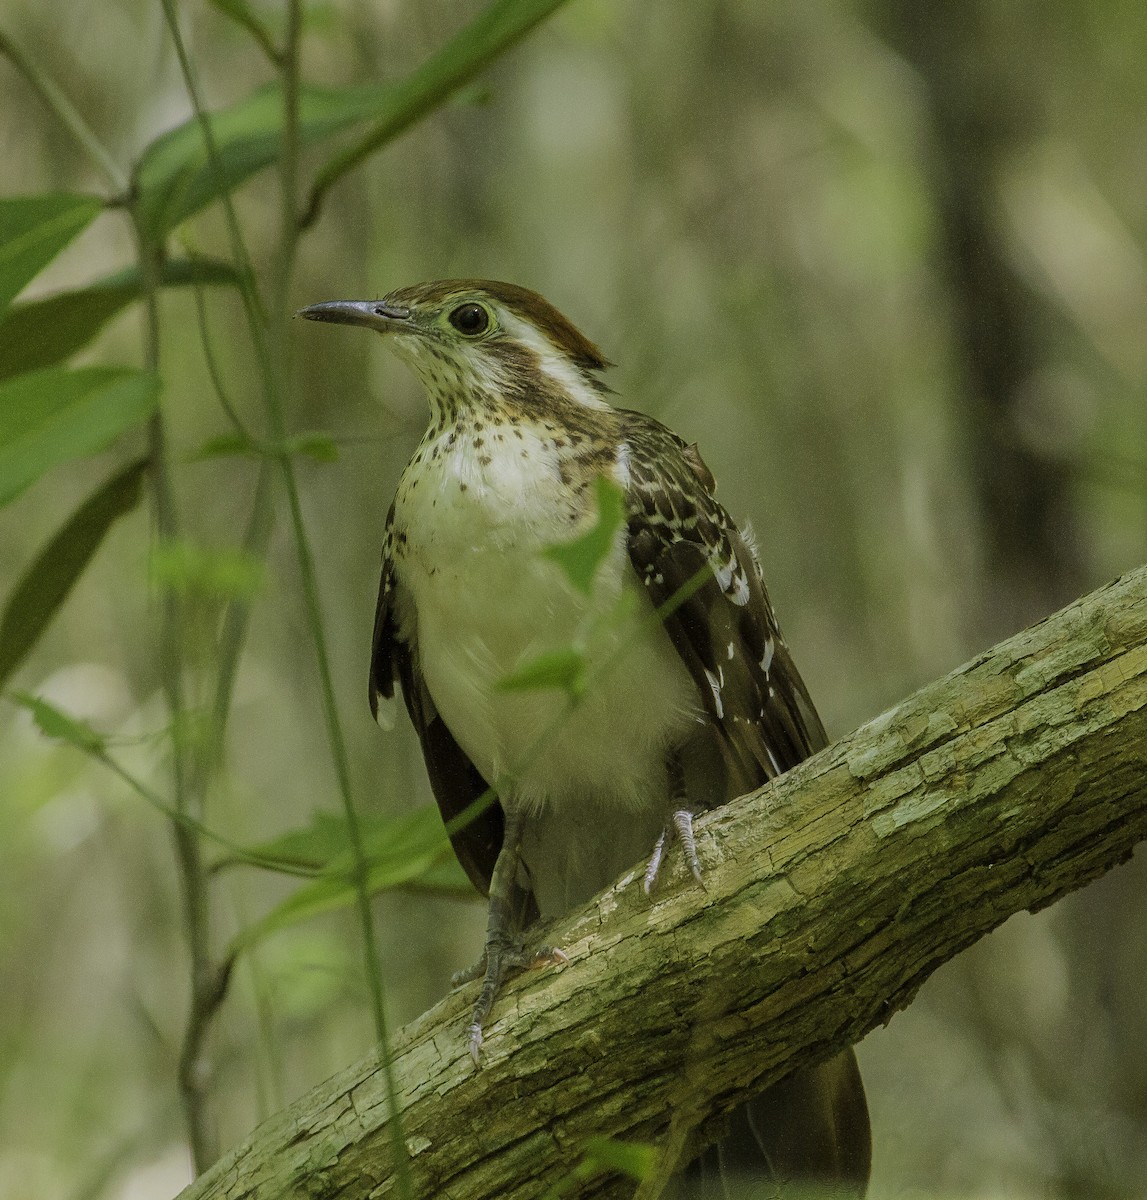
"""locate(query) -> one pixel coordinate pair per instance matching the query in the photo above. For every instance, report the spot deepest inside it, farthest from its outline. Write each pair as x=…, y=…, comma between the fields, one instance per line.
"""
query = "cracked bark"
x=832, y=894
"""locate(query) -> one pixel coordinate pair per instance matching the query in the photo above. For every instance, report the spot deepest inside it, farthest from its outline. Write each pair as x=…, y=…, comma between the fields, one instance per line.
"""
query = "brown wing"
x=697, y=568
x=812, y=1128
x=455, y=781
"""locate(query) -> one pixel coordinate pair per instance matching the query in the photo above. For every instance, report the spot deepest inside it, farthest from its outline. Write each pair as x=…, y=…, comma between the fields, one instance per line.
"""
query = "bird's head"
x=475, y=341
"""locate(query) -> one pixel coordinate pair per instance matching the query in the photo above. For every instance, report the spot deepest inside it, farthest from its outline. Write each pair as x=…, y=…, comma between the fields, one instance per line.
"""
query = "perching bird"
x=674, y=716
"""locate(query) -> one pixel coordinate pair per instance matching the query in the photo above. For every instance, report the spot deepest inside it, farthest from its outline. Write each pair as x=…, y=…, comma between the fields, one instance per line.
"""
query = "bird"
x=573, y=727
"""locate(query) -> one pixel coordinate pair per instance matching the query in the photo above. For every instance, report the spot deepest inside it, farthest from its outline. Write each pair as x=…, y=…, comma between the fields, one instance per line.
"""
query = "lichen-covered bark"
x=831, y=895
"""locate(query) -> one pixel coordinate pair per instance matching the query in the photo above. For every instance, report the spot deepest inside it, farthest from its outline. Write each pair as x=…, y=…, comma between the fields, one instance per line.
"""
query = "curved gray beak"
x=373, y=314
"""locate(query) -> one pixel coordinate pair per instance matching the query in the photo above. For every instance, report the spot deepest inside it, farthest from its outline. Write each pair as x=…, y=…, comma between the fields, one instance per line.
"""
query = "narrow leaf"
x=176, y=179
x=58, y=725
x=47, y=582
x=400, y=852
x=53, y=416
x=319, y=446
x=581, y=558
x=563, y=669
x=190, y=569
x=42, y=333
x=228, y=445
x=315, y=846
x=635, y=1159
x=33, y=230
x=490, y=34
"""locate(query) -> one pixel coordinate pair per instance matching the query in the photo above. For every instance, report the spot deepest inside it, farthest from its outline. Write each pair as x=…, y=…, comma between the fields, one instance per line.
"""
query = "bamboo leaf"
x=176, y=179
x=42, y=333
x=47, y=582
x=490, y=34
x=401, y=852
x=53, y=416
x=33, y=230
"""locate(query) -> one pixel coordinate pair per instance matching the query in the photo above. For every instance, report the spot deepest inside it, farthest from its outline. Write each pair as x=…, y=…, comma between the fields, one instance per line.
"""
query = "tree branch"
x=831, y=895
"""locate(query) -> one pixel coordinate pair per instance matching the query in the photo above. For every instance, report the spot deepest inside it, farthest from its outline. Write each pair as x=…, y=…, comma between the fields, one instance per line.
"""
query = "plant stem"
x=288, y=240
x=67, y=113
x=206, y=982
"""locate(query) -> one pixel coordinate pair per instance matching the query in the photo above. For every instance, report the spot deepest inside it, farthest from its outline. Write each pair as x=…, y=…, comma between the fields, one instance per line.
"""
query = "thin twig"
x=67, y=113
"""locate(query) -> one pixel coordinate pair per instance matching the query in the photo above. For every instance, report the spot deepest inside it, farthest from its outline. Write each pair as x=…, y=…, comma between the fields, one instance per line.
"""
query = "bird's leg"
x=679, y=826
x=515, y=957
x=504, y=951
x=499, y=929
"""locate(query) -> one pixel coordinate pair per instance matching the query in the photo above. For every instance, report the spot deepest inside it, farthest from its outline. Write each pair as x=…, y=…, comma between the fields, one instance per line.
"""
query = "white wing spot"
x=385, y=711
x=740, y=594
x=729, y=652
x=767, y=657
x=723, y=572
x=715, y=687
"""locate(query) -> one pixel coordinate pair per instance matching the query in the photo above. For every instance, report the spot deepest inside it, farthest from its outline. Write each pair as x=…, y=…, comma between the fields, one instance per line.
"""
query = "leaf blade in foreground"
x=53, y=416
x=33, y=230
x=48, y=581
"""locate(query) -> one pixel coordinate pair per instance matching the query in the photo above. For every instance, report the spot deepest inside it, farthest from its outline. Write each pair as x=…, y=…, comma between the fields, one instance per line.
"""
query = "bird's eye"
x=470, y=319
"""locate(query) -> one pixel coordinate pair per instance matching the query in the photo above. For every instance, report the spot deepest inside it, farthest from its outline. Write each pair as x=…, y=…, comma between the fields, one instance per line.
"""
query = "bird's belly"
x=485, y=614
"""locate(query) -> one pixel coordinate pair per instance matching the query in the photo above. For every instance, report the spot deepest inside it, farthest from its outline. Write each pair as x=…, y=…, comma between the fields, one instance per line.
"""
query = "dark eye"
x=470, y=319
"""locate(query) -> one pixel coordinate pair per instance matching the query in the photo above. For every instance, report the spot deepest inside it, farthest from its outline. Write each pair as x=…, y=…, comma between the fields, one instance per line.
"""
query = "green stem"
x=289, y=233
x=67, y=113
x=496, y=28
x=252, y=302
x=205, y=981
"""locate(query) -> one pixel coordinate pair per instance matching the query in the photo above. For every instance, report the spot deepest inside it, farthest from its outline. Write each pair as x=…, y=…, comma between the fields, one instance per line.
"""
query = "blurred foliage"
x=886, y=262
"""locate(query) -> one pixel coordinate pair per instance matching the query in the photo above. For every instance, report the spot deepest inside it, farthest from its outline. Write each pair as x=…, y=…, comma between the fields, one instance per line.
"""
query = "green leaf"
x=581, y=558
x=397, y=107
x=33, y=230
x=319, y=446
x=47, y=582
x=44, y=332
x=228, y=445
x=563, y=669
x=175, y=178
x=58, y=725
x=400, y=852
x=635, y=1159
x=53, y=416
x=314, y=846
x=189, y=569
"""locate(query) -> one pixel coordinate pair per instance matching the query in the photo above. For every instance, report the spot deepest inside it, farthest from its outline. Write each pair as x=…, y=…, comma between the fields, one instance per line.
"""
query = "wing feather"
x=682, y=543
x=454, y=780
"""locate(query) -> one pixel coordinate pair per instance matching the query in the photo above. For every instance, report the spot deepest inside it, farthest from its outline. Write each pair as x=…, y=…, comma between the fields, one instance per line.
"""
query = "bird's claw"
x=679, y=826
x=514, y=958
x=474, y=1041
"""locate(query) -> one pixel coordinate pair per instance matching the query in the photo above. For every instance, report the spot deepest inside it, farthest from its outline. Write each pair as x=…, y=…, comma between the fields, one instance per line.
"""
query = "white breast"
x=482, y=601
